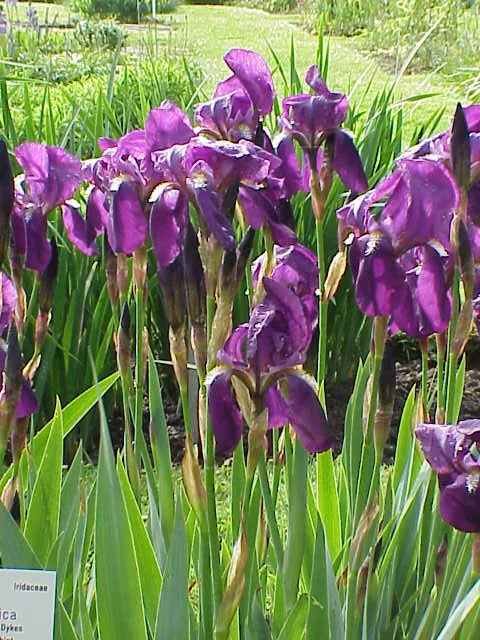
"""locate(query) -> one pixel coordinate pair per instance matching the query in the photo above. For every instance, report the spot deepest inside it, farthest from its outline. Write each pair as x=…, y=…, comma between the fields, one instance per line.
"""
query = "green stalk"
x=270, y=512
x=206, y=586
x=297, y=516
x=440, y=412
x=322, y=307
x=370, y=462
x=139, y=322
x=425, y=382
x=452, y=356
x=210, y=486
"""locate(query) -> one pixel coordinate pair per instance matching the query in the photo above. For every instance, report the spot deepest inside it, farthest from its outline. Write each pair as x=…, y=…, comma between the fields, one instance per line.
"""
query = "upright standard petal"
x=51, y=173
x=253, y=72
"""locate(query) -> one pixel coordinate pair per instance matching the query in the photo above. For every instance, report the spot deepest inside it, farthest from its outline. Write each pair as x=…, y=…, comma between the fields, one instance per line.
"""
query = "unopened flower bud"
x=111, y=272
x=261, y=541
x=464, y=326
x=460, y=149
x=227, y=279
x=140, y=271
x=243, y=252
x=284, y=212
x=16, y=271
x=172, y=283
x=192, y=481
x=235, y=585
x=334, y=276
x=361, y=587
x=441, y=560
x=6, y=201
x=179, y=355
x=230, y=199
x=386, y=397
x=123, y=341
x=47, y=280
x=13, y=363
x=465, y=259
x=256, y=441
x=122, y=275
x=195, y=289
x=9, y=493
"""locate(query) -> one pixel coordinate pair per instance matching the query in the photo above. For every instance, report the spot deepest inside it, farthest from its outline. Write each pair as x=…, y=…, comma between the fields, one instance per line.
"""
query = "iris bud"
x=285, y=213
x=460, y=149
x=173, y=290
x=386, y=397
x=111, y=271
x=123, y=341
x=192, y=481
x=235, y=585
x=230, y=199
x=46, y=291
x=194, y=279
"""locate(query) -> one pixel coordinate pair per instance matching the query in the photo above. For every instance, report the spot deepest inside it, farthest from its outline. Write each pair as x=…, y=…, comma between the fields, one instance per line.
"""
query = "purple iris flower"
x=125, y=178
x=264, y=354
x=438, y=148
x=241, y=100
x=399, y=254
x=453, y=453
x=297, y=267
x=51, y=176
x=205, y=171
x=311, y=120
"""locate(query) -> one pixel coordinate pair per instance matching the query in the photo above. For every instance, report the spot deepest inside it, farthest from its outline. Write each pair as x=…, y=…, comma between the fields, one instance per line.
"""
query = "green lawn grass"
x=205, y=33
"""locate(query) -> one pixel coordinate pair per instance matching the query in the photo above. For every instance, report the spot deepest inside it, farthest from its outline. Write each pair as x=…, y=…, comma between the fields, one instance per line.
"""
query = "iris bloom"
x=312, y=120
x=240, y=101
x=123, y=179
x=51, y=176
x=453, y=453
x=264, y=354
x=401, y=241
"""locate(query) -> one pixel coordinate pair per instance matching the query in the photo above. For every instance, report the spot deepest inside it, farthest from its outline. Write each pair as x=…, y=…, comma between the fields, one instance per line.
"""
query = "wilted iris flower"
x=51, y=176
x=453, y=453
x=264, y=355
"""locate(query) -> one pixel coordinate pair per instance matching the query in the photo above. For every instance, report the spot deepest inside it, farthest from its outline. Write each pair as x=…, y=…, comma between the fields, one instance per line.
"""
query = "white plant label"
x=27, y=604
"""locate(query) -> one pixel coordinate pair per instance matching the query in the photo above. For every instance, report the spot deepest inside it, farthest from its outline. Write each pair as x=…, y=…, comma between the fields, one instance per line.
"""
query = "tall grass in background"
x=391, y=29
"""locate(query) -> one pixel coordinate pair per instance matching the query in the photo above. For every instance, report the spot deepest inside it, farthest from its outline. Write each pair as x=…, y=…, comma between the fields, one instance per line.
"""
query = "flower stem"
x=139, y=324
x=270, y=512
x=210, y=486
x=322, y=306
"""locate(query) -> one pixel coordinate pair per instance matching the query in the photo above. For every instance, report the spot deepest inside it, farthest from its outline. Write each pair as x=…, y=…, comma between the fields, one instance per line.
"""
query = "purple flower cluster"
x=266, y=356
x=404, y=250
